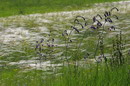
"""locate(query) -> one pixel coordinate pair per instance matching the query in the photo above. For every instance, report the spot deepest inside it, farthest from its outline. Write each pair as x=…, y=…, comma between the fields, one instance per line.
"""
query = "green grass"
x=87, y=75
x=16, y=7
x=95, y=75
x=23, y=51
x=13, y=76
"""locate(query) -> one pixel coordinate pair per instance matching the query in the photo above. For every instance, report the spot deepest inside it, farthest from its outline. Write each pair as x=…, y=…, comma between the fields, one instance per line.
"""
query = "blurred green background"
x=16, y=7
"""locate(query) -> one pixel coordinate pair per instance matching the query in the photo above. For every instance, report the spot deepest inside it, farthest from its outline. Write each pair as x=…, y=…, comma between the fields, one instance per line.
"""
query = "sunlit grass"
x=15, y=7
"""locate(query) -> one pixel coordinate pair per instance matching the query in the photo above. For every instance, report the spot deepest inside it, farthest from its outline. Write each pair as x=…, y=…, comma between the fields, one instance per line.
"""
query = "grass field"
x=16, y=7
x=65, y=48
x=68, y=76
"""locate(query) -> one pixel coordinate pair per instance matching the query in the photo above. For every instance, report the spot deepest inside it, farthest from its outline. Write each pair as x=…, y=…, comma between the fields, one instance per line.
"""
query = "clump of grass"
x=117, y=54
x=92, y=77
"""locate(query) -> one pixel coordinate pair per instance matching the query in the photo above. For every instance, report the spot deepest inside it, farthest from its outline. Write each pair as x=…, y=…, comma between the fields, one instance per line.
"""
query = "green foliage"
x=95, y=75
x=16, y=7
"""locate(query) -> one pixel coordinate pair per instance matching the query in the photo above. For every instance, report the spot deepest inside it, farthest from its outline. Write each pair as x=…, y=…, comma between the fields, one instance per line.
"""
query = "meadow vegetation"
x=16, y=7
x=89, y=54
